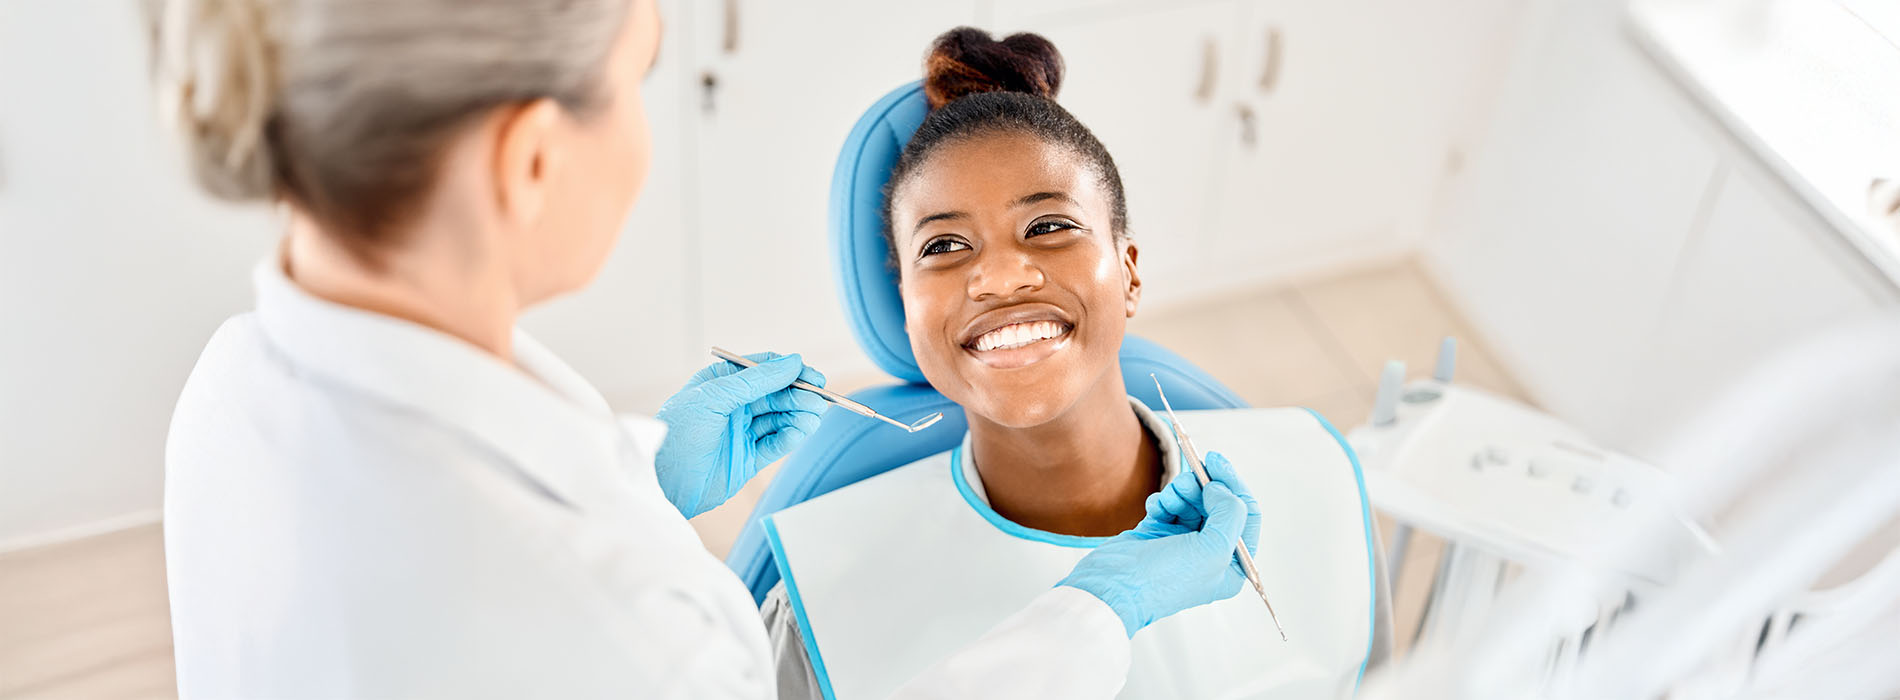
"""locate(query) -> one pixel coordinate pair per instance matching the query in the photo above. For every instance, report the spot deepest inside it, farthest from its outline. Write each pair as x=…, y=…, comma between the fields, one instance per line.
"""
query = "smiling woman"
x=1015, y=310
x=1007, y=227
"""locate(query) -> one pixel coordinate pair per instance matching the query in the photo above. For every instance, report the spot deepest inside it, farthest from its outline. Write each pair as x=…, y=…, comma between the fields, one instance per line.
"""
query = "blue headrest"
x=866, y=283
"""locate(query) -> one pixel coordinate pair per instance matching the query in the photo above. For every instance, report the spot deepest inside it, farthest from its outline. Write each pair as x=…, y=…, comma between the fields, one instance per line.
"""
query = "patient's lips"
x=1018, y=335
x=1020, y=344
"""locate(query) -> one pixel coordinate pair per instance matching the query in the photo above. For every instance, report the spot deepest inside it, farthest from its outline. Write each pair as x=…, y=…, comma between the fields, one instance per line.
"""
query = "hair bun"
x=216, y=82
x=967, y=60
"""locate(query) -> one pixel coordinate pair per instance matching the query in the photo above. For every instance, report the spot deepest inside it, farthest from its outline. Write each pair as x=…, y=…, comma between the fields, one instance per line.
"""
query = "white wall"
x=112, y=271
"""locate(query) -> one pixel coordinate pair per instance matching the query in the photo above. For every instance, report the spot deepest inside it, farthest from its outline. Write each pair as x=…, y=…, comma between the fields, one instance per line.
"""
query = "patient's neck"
x=1089, y=472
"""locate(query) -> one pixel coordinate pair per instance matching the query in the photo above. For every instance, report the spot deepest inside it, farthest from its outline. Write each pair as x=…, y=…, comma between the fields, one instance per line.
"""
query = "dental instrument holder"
x=1506, y=486
x=834, y=397
x=1193, y=458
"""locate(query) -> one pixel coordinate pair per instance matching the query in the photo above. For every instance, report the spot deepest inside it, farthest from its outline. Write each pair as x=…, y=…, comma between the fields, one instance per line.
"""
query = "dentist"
x=377, y=486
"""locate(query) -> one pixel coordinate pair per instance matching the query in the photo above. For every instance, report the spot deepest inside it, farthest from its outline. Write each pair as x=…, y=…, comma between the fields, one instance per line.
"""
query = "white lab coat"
x=357, y=506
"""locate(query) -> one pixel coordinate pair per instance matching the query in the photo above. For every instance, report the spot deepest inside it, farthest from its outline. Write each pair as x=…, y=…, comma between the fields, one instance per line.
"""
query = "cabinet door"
x=788, y=80
x=1764, y=274
x=628, y=332
x=1345, y=112
x=1147, y=83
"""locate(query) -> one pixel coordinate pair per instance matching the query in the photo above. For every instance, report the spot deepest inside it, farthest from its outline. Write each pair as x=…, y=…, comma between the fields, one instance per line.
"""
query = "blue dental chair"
x=847, y=448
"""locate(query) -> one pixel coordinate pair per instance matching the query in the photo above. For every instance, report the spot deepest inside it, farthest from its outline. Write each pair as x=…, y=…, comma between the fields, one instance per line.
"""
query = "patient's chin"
x=1021, y=410
x=1028, y=396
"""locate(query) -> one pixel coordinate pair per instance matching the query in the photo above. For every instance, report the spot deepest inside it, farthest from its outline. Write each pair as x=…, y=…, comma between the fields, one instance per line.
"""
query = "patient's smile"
x=1020, y=344
x=1016, y=335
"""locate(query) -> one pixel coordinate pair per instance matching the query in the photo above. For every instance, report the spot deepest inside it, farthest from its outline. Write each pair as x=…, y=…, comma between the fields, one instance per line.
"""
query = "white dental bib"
x=892, y=574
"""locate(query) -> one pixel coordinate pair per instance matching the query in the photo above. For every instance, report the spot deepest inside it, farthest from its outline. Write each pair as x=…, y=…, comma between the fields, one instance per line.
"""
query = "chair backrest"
x=847, y=448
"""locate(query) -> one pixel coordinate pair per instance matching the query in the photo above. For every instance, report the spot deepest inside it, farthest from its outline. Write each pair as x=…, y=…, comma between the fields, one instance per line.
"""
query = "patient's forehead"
x=987, y=173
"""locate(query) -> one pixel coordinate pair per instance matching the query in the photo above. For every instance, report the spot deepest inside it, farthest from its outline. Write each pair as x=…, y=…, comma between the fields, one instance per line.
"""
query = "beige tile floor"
x=88, y=619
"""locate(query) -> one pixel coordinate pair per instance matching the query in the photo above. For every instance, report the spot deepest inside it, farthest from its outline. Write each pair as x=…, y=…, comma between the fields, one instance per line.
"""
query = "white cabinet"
x=788, y=80
x=1147, y=84
x=1260, y=138
x=1343, y=119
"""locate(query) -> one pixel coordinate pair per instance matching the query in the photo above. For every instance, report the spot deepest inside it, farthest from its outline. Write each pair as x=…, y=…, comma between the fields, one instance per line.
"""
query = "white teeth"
x=1018, y=334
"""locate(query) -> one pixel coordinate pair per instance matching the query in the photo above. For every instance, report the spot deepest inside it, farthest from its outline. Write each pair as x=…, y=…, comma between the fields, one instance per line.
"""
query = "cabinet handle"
x=1210, y=70
x=729, y=37
x=708, y=88
x=1249, y=132
x=1883, y=197
x=1270, y=71
x=1883, y=202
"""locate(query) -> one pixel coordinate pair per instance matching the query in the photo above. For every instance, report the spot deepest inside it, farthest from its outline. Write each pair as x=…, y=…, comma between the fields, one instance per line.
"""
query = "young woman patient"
x=1008, y=228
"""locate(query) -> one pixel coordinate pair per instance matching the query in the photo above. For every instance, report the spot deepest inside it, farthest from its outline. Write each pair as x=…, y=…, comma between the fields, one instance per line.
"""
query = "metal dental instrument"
x=1193, y=455
x=834, y=397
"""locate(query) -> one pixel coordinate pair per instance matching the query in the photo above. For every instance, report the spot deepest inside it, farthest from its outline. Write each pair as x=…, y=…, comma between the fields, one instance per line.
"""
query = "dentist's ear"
x=527, y=155
x=1133, y=294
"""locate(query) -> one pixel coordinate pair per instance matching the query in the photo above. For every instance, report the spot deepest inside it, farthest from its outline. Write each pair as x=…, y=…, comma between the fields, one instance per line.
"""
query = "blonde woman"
x=377, y=486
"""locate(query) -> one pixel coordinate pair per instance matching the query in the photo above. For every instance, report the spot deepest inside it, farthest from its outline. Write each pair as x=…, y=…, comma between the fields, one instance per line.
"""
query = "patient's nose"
x=1004, y=274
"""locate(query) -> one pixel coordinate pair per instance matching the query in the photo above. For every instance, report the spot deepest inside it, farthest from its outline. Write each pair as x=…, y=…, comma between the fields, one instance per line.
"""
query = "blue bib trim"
x=1002, y=523
x=1372, y=571
x=798, y=612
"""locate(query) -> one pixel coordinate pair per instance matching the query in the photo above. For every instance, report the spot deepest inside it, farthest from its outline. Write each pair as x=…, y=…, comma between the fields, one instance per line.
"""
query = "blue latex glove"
x=728, y=423
x=1181, y=554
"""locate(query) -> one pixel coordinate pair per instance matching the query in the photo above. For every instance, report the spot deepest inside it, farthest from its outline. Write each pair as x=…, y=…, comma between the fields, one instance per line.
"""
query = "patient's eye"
x=944, y=244
x=1049, y=226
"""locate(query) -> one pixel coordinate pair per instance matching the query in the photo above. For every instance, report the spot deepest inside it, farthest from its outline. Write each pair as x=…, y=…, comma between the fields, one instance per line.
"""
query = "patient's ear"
x=1130, y=270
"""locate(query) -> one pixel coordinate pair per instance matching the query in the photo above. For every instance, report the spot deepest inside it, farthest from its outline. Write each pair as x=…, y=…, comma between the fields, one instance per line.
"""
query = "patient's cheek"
x=924, y=324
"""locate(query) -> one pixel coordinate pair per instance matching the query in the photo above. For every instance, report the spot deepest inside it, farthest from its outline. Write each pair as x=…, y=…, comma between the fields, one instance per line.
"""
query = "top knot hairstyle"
x=978, y=86
x=966, y=61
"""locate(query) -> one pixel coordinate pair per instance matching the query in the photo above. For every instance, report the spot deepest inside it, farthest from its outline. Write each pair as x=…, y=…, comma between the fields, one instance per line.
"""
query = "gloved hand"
x=728, y=423
x=1181, y=554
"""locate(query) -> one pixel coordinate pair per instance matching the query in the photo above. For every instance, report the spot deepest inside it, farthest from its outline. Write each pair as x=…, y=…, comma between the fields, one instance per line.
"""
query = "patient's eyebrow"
x=1038, y=197
x=939, y=216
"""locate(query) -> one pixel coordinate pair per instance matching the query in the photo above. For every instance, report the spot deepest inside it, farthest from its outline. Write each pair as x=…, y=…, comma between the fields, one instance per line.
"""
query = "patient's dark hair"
x=978, y=86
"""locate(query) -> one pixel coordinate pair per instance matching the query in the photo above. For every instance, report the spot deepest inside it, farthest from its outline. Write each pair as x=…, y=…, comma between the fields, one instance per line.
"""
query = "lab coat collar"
x=539, y=414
